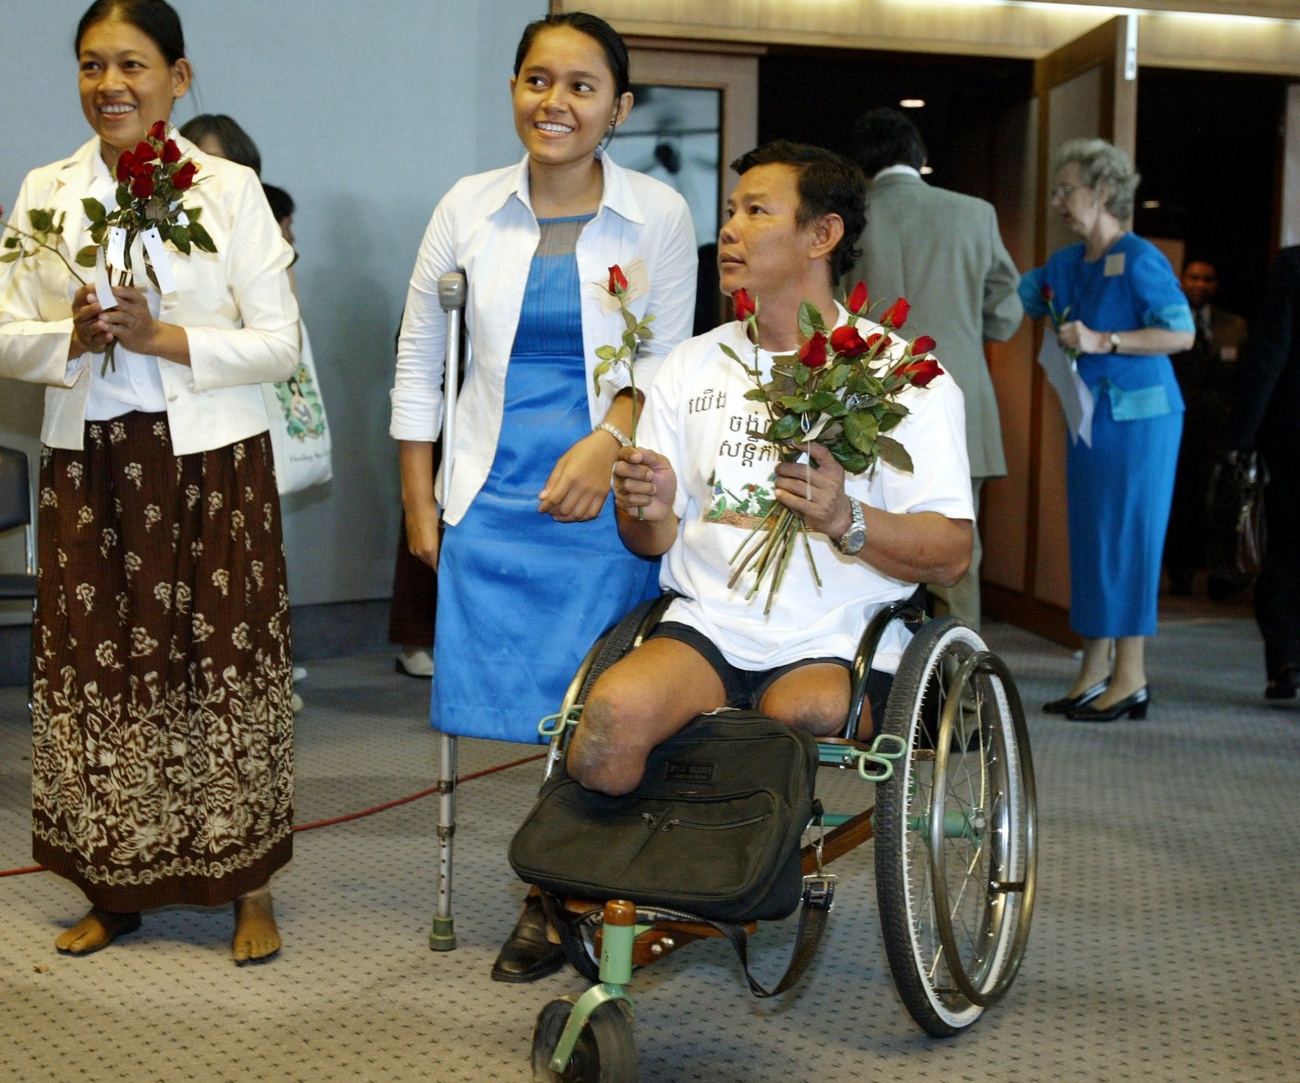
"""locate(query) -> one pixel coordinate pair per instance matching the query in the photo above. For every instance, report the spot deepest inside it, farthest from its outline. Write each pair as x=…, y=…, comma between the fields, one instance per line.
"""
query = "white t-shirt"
x=697, y=415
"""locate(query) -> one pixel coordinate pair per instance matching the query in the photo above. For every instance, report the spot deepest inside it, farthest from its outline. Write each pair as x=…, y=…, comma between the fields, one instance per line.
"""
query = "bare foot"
x=256, y=937
x=96, y=930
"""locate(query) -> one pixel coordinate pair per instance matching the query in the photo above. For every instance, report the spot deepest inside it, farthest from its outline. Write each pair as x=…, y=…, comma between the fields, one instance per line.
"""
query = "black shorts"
x=745, y=688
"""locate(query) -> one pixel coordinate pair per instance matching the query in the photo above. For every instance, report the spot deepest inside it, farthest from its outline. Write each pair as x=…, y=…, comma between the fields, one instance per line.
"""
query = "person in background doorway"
x=1207, y=378
x=1267, y=417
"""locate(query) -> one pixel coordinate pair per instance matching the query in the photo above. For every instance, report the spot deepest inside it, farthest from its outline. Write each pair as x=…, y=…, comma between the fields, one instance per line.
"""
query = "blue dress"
x=1119, y=488
x=522, y=597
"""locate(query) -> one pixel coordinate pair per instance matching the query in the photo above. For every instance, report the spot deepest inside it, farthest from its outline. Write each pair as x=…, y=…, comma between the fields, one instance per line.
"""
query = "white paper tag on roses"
x=1076, y=399
x=103, y=288
x=159, y=260
x=638, y=285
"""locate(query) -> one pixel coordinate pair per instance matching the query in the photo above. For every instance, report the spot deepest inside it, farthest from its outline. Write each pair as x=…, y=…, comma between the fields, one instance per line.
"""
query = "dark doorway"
x=1209, y=146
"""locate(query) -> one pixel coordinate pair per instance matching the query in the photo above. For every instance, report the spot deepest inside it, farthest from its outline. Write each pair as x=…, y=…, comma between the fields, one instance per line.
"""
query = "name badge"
x=1114, y=265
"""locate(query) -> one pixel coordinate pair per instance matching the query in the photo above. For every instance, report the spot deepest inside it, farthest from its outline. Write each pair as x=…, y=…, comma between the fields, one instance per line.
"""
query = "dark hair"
x=156, y=18
x=594, y=27
x=237, y=144
x=281, y=201
x=884, y=137
x=828, y=184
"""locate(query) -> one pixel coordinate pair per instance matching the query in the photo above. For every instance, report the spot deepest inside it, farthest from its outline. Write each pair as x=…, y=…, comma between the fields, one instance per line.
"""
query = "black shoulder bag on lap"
x=713, y=830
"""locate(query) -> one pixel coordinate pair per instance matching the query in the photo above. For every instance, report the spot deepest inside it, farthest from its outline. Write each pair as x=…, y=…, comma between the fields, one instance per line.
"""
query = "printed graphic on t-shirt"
x=741, y=482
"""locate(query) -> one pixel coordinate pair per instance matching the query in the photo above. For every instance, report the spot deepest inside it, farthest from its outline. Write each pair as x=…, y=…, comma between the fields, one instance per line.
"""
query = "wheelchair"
x=955, y=853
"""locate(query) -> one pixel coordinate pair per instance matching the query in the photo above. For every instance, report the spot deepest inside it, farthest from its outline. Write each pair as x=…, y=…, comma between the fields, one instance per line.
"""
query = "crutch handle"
x=451, y=290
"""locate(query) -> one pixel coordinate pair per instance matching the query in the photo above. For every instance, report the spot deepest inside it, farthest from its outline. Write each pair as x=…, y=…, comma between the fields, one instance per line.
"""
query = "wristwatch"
x=856, y=536
x=1114, y=342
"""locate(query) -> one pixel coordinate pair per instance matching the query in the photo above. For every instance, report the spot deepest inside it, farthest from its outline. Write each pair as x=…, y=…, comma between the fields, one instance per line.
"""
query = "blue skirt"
x=1120, y=490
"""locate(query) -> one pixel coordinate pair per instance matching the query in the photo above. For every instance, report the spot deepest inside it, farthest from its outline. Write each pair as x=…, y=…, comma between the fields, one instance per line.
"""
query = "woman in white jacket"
x=163, y=755
x=531, y=568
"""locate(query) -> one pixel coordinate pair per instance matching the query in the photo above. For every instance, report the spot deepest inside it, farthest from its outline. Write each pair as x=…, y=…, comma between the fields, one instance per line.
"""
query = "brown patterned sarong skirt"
x=162, y=765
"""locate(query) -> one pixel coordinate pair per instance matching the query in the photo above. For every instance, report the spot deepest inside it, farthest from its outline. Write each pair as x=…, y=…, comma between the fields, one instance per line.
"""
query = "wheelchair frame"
x=955, y=856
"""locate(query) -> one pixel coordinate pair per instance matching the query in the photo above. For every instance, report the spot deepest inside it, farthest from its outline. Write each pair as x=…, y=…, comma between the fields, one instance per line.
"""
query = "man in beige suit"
x=943, y=252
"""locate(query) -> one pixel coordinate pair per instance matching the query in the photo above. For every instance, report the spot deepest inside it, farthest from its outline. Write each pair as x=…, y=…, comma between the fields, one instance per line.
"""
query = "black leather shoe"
x=1066, y=704
x=1285, y=684
x=527, y=955
x=1135, y=706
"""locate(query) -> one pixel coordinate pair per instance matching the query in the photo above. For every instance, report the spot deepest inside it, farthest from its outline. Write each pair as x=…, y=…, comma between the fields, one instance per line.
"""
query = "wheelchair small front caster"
x=605, y=1051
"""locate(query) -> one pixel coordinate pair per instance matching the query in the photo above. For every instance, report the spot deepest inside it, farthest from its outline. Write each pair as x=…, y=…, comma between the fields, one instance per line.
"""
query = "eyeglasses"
x=1063, y=191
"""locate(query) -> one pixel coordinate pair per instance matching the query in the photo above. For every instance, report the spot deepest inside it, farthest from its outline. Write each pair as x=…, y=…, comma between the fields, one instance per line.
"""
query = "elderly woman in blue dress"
x=1122, y=313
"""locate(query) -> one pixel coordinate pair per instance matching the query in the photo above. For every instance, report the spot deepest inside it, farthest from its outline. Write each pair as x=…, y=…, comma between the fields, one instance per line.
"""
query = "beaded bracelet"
x=605, y=426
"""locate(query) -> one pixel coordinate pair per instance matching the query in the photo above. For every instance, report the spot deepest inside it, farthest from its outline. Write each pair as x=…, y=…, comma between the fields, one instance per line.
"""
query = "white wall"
x=366, y=113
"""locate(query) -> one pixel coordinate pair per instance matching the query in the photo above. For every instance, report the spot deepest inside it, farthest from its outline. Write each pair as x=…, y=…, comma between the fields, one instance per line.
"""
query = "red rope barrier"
x=356, y=815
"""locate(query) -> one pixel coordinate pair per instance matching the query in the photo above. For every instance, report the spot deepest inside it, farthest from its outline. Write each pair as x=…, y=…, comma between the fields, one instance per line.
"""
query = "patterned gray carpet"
x=1164, y=946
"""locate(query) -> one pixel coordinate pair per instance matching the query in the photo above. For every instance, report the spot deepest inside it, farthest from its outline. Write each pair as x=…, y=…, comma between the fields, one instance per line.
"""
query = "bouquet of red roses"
x=151, y=181
x=842, y=391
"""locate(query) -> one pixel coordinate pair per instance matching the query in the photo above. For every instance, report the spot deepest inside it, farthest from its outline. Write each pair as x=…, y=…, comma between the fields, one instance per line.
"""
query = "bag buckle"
x=819, y=891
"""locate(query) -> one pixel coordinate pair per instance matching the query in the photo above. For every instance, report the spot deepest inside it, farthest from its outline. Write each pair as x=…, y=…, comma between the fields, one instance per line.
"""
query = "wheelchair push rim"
x=955, y=840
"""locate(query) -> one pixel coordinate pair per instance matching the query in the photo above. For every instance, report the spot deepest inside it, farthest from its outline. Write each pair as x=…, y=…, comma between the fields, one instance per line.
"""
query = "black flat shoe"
x=1066, y=704
x=1135, y=706
x=527, y=954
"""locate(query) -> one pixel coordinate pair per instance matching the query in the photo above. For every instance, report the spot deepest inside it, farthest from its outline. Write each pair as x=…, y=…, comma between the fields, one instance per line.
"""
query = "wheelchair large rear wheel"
x=955, y=844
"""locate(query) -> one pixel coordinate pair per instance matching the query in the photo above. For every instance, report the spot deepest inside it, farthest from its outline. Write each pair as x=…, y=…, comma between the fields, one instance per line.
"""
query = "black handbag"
x=1235, y=535
x=713, y=829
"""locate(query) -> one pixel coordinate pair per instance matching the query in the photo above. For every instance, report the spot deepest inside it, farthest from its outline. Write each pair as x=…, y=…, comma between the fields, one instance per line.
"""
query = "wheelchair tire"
x=955, y=842
x=606, y=1049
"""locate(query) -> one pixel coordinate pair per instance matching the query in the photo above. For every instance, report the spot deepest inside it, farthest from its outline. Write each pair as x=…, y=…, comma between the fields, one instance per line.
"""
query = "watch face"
x=854, y=540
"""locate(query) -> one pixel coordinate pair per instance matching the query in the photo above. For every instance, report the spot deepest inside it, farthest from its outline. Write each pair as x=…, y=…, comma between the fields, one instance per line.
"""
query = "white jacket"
x=235, y=304
x=485, y=226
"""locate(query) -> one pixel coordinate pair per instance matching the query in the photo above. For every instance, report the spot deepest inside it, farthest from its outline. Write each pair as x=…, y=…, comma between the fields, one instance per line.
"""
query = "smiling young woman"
x=530, y=565
x=162, y=765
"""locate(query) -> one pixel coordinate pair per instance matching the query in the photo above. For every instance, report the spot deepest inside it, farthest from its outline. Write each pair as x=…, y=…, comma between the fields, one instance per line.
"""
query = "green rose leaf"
x=199, y=235
x=86, y=257
x=894, y=453
x=785, y=427
x=862, y=429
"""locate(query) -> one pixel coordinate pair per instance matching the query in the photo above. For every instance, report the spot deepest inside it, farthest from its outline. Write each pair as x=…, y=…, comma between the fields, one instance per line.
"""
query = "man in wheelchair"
x=690, y=488
x=789, y=233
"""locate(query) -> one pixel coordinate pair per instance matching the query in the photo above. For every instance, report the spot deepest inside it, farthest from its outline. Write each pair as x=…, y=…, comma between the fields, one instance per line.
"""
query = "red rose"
x=159, y=130
x=924, y=344
x=125, y=165
x=1048, y=294
x=922, y=372
x=617, y=281
x=896, y=315
x=858, y=299
x=873, y=339
x=171, y=152
x=813, y=352
x=142, y=187
x=743, y=305
x=144, y=152
x=845, y=340
x=184, y=176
